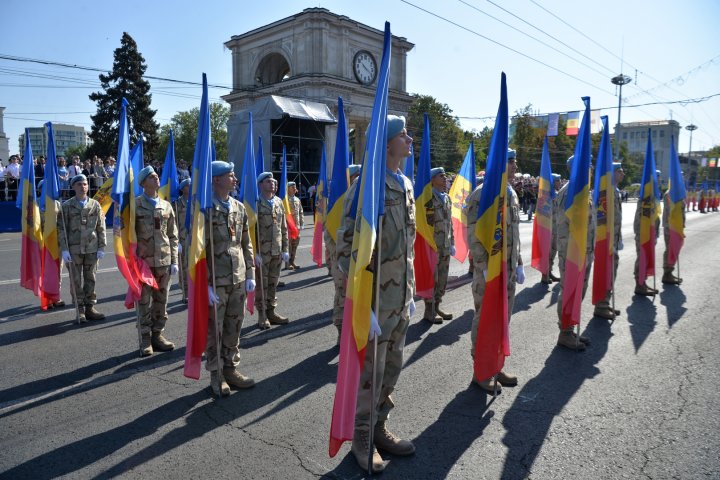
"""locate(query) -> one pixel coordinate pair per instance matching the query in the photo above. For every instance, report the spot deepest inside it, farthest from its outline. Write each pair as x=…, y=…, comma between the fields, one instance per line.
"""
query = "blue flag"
x=169, y=185
x=51, y=185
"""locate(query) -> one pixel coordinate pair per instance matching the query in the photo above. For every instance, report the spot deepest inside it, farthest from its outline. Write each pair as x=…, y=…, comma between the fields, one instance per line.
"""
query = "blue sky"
x=670, y=49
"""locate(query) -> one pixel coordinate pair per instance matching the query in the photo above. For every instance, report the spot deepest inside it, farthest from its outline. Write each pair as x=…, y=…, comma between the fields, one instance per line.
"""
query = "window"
x=662, y=133
x=654, y=133
x=624, y=135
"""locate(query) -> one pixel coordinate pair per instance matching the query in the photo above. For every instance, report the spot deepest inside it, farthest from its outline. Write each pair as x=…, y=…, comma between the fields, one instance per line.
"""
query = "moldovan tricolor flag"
x=50, y=285
x=604, y=199
x=493, y=337
x=542, y=226
x=201, y=201
x=576, y=209
x=169, y=185
x=293, y=232
x=463, y=185
x=426, y=257
x=358, y=302
x=677, y=207
x=321, y=193
x=248, y=195
x=573, y=119
x=31, y=240
x=103, y=195
x=648, y=205
x=339, y=183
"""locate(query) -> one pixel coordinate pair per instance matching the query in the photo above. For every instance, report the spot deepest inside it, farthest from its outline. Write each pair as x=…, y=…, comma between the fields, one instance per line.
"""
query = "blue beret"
x=184, y=183
x=616, y=165
x=144, y=173
x=511, y=154
x=263, y=176
x=395, y=125
x=570, y=160
x=221, y=168
x=78, y=178
x=658, y=172
x=556, y=176
x=436, y=171
x=290, y=184
x=354, y=169
x=40, y=184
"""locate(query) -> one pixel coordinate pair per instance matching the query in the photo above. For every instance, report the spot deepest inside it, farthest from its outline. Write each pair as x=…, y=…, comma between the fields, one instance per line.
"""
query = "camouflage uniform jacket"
x=397, y=274
x=181, y=206
x=83, y=227
x=272, y=227
x=347, y=230
x=156, y=230
x=233, y=252
x=667, y=203
x=439, y=215
x=562, y=224
x=652, y=212
x=297, y=211
x=512, y=229
x=618, y=220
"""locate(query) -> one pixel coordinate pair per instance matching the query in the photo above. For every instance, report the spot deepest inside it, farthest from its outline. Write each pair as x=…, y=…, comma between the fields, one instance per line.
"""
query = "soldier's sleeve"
x=476, y=248
x=284, y=232
x=301, y=213
x=636, y=221
x=62, y=235
x=345, y=233
x=100, y=228
x=452, y=230
x=247, y=249
x=172, y=233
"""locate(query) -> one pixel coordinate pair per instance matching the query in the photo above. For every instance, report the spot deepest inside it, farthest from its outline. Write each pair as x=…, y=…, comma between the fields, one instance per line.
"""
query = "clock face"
x=364, y=67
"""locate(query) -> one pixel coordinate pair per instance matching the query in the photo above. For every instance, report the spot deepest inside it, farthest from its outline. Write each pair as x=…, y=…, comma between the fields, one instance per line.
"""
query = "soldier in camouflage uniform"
x=568, y=338
x=81, y=233
x=647, y=209
x=550, y=277
x=181, y=206
x=439, y=217
x=60, y=303
x=515, y=269
x=273, y=246
x=339, y=279
x=297, y=213
x=603, y=308
x=397, y=288
x=668, y=277
x=157, y=245
x=233, y=277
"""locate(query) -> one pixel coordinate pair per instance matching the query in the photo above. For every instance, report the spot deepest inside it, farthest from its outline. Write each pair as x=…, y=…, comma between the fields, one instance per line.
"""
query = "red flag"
x=426, y=257
x=30, y=259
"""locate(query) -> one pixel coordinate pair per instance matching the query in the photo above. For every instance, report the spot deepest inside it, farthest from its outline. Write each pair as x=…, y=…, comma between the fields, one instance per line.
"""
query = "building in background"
x=66, y=136
x=4, y=140
x=634, y=136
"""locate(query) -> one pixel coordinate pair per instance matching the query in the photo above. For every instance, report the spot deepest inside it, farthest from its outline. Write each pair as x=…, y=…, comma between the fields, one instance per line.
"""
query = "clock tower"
x=303, y=63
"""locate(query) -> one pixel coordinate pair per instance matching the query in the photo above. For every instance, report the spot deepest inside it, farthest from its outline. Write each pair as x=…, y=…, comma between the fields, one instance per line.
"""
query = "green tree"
x=75, y=150
x=527, y=140
x=184, y=126
x=448, y=143
x=126, y=80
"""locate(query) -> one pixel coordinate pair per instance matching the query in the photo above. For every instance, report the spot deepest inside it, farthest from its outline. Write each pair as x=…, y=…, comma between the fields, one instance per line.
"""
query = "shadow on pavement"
x=529, y=295
x=449, y=332
x=641, y=315
x=673, y=298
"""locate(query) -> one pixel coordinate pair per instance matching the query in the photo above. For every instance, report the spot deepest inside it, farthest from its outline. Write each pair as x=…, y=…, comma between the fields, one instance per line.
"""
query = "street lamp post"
x=619, y=80
x=692, y=128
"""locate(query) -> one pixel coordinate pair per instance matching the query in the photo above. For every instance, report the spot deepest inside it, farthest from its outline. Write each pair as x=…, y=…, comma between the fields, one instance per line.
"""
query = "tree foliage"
x=184, y=126
x=448, y=142
x=125, y=80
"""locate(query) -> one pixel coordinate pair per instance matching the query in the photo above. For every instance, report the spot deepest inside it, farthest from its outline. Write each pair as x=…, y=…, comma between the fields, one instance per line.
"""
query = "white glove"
x=179, y=248
x=621, y=246
x=411, y=307
x=249, y=285
x=173, y=269
x=100, y=254
x=258, y=261
x=520, y=272
x=452, y=250
x=212, y=298
x=484, y=274
x=285, y=257
x=374, y=326
x=67, y=258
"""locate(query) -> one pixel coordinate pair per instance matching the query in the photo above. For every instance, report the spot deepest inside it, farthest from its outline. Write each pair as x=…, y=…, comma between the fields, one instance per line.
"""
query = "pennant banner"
x=573, y=120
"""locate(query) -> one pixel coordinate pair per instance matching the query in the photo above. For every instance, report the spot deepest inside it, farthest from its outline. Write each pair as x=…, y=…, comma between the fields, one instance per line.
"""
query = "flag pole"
x=215, y=312
x=72, y=276
x=181, y=279
x=258, y=270
x=373, y=387
x=612, y=286
x=137, y=323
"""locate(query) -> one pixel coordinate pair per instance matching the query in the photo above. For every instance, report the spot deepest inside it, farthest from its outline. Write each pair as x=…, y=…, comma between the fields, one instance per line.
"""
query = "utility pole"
x=619, y=80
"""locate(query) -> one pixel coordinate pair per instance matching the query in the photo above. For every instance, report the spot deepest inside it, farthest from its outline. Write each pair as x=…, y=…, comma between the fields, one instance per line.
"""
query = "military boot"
x=92, y=314
x=219, y=385
x=276, y=319
x=263, y=324
x=361, y=448
x=146, y=348
x=489, y=385
x=339, y=329
x=670, y=279
x=507, y=379
x=160, y=343
x=429, y=315
x=442, y=314
x=236, y=379
x=604, y=311
x=569, y=339
x=645, y=290
x=546, y=279
x=81, y=315
x=384, y=439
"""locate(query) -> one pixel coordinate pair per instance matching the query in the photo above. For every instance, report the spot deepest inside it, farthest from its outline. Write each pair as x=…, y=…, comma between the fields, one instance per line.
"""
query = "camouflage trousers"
x=340, y=282
x=636, y=270
x=82, y=274
x=441, y=275
x=667, y=268
x=478, y=292
x=267, y=288
x=329, y=256
x=152, y=307
x=293, y=249
x=588, y=267
x=231, y=312
x=182, y=274
x=388, y=363
x=553, y=252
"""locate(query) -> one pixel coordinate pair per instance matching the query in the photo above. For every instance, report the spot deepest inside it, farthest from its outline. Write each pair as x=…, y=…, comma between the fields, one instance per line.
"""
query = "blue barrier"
x=10, y=217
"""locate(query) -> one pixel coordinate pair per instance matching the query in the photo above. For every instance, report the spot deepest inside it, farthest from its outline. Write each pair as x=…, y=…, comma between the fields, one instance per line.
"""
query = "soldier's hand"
x=452, y=250
x=212, y=298
x=249, y=285
x=173, y=269
x=100, y=254
x=258, y=261
x=67, y=258
x=374, y=326
x=285, y=257
x=520, y=272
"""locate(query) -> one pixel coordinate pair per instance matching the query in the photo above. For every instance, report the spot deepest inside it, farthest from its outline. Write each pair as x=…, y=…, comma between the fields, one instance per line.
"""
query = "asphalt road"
x=641, y=402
